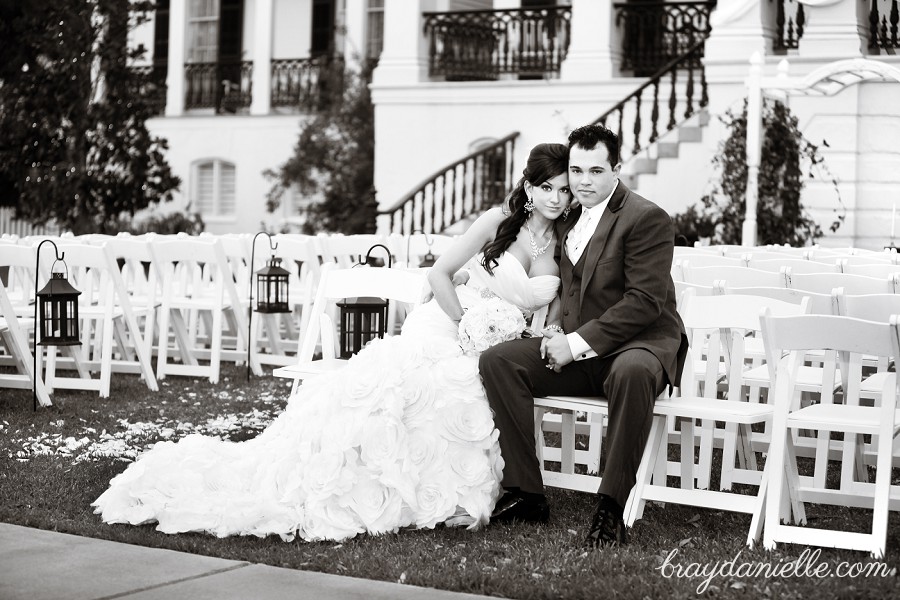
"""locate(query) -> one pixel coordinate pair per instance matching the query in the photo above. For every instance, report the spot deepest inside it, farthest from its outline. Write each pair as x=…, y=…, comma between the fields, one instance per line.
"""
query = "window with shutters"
x=214, y=188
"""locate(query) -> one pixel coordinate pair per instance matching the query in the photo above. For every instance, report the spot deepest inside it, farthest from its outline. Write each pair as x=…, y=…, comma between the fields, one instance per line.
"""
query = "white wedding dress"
x=402, y=436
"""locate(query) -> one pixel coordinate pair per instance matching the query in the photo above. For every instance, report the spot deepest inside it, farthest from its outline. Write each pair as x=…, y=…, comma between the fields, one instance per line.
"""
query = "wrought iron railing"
x=790, y=19
x=884, y=21
x=671, y=96
x=471, y=184
x=305, y=83
x=149, y=82
x=655, y=33
x=224, y=86
x=484, y=44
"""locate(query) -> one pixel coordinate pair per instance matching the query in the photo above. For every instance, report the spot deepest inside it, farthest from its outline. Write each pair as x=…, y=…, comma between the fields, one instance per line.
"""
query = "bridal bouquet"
x=488, y=323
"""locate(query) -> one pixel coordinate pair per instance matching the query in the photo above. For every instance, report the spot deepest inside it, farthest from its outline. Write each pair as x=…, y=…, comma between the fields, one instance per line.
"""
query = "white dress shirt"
x=576, y=242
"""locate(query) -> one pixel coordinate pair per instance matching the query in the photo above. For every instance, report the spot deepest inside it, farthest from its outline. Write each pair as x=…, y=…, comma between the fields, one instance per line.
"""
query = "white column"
x=590, y=55
x=834, y=29
x=754, y=148
x=404, y=58
x=177, y=52
x=261, y=103
x=355, y=38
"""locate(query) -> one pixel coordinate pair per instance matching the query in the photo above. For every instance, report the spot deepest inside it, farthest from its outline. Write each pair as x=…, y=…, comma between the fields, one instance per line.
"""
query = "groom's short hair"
x=589, y=136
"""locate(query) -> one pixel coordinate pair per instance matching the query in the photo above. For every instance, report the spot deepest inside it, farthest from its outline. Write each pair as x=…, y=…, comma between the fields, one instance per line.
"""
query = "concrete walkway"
x=45, y=565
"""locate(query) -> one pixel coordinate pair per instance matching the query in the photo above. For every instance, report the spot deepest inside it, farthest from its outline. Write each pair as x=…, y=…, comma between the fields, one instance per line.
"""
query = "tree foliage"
x=786, y=161
x=75, y=146
x=334, y=158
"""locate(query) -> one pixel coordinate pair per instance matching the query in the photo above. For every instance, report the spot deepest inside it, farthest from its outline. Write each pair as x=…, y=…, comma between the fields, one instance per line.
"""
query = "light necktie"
x=578, y=238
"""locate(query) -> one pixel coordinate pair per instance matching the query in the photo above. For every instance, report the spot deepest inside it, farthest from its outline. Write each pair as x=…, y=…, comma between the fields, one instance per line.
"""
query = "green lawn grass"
x=54, y=491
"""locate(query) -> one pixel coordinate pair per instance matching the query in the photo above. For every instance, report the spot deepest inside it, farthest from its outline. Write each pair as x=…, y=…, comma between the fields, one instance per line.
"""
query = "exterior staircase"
x=683, y=156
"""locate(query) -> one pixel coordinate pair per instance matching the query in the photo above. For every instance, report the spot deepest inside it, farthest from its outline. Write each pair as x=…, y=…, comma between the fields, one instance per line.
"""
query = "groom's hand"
x=555, y=349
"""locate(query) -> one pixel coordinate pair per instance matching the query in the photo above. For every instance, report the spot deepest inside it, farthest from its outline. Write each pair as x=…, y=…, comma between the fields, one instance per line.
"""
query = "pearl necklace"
x=535, y=250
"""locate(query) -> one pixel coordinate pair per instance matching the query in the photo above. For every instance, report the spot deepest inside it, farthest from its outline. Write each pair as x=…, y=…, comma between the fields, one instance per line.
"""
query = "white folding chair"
x=734, y=276
x=394, y=285
x=140, y=275
x=824, y=283
x=198, y=292
x=15, y=341
x=112, y=340
x=797, y=265
x=350, y=250
x=679, y=264
x=845, y=340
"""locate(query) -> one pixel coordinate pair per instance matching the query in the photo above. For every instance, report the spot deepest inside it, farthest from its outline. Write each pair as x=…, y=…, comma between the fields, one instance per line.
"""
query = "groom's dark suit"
x=620, y=298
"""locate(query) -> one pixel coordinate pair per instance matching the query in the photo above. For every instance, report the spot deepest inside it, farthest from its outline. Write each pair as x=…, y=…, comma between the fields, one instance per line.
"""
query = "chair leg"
x=634, y=508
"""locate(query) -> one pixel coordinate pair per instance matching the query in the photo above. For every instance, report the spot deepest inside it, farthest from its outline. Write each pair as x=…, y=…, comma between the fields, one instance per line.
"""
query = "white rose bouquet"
x=488, y=323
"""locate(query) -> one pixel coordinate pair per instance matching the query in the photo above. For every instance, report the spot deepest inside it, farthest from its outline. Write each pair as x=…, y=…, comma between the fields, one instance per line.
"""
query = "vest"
x=571, y=275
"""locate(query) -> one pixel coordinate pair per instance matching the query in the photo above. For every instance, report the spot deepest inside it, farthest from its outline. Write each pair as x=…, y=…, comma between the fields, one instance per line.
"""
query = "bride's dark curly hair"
x=545, y=161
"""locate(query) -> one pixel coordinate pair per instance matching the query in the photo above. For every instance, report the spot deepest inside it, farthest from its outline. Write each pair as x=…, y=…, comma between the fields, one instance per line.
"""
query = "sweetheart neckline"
x=521, y=266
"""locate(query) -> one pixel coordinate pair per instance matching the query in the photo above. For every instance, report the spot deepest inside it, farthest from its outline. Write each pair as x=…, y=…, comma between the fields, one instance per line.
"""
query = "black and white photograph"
x=449, y=299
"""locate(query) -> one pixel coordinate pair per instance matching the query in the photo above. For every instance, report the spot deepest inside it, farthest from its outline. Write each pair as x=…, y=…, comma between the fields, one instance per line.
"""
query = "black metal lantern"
x=272, y=288
x=58, y=312
x=55, y=311
x=362, y=320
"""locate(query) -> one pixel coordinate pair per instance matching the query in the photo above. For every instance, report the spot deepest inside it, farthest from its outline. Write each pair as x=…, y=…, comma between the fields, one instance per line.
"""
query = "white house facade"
x=463, y=89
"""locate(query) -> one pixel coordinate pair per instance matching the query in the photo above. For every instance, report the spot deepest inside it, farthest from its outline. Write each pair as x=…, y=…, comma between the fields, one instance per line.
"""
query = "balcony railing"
x=223, y=86
x=672, y=95
x=655, y=33
x=305, y=83
x=482, y=45
x=884, y=20
x=149, y=82
x=471, y=184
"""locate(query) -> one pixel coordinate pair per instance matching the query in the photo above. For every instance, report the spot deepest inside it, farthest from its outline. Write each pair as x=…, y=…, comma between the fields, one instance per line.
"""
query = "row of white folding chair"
x=708, y=396
x=846, y=341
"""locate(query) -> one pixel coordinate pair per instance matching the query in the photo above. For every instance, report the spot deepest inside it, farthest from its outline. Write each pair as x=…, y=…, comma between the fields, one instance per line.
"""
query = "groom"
x=617, y=334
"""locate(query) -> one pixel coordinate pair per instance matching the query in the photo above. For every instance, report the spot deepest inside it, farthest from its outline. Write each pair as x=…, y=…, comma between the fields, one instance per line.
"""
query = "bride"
x=400, y=437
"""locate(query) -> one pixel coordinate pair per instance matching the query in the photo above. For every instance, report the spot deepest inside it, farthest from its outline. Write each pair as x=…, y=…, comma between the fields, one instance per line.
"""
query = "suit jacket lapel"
x=601, y=234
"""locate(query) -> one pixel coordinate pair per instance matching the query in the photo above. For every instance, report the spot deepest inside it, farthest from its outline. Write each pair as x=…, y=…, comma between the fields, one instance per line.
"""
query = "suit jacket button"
x=566, y=313
x=572, y=293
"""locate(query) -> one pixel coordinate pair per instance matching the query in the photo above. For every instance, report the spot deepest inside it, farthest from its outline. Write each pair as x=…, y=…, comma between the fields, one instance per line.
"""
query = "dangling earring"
x=529, y=205
x=566, y=211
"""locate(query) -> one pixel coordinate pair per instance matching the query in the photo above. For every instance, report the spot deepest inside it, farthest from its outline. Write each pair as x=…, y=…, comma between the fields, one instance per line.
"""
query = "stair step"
x=667, y=150
x=643, y=165
x=690, y=134
x=703, y=118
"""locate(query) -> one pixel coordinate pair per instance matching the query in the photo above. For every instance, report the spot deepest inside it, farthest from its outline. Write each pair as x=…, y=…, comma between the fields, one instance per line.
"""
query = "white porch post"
x=404, y=57
x=834, y=29
x=177, y=52
x=261, y=102
x=355, y=38
x=590, y=55
x=754, y=148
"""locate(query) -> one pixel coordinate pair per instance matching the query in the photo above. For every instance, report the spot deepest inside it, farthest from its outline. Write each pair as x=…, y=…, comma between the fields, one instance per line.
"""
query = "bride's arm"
x=440, y=276
x=553, y=313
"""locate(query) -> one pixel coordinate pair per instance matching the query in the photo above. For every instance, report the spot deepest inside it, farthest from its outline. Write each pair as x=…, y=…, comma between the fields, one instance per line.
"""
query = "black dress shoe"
x=518, y=506
x=607, y=526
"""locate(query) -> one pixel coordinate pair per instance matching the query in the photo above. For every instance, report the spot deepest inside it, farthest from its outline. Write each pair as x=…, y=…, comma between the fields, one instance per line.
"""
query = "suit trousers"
x=514, y=374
